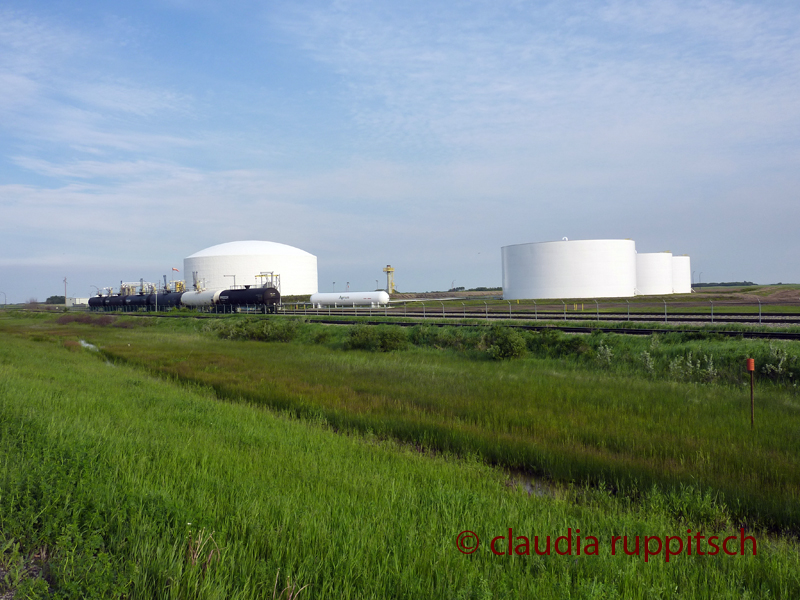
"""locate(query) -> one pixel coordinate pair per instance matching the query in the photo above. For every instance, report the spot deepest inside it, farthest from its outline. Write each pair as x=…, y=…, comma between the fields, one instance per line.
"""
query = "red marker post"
x=751, y=366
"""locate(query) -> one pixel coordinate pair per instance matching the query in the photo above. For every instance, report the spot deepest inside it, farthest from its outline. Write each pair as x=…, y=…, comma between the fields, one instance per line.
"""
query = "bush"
x=321, y=336
x=421, y=335
x=266, y=330
x=385, y=338
x=549, y=343
x=362, y=337
x=392, y=338
x=505, y=342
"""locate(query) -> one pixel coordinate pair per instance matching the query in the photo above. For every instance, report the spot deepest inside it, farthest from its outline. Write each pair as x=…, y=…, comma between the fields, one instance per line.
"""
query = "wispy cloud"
x=56, y=93
x=483, y=77
x=429, y=133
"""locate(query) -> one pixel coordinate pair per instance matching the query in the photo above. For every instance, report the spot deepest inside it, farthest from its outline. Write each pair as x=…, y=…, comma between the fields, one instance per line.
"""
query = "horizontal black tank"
x=169, y=300
x=136, y=300
x=253, y=296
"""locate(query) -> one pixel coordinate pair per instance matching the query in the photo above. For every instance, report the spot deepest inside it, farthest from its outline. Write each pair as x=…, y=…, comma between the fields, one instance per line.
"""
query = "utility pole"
x=65, y=292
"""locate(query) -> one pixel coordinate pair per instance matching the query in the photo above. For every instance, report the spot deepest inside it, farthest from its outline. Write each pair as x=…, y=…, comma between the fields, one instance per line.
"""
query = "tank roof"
x=250, y=248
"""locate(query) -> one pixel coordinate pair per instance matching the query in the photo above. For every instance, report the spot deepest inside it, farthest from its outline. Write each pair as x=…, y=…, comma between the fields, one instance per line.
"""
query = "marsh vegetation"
x=249, y=458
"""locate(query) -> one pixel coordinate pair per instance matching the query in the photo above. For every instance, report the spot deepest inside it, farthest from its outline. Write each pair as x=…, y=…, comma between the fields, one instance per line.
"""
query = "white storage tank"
x=200, y=298
x=346, y=299
x=216, y=266
x=654, y=273
x=569, y=269
x=681, y=275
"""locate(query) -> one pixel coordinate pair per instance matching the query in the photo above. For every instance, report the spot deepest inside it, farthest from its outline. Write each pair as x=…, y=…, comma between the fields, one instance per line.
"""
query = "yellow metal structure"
x=389, y=279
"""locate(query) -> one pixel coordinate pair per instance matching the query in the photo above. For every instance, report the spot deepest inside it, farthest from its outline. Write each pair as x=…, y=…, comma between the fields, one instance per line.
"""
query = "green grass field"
x=227, y=471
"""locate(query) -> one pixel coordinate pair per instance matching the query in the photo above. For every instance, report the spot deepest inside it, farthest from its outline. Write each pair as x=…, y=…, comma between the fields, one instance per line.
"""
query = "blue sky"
x=422, y=135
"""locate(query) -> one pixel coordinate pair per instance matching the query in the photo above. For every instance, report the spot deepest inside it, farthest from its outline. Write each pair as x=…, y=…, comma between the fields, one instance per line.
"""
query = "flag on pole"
x=174, y=269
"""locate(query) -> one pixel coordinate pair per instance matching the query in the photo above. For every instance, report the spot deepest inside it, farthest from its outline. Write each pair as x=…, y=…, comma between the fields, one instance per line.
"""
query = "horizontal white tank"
x=654, y=273
x=350, y=299
x=219, y=266
x=204, y=298
x=681, y=275
x=569, y=269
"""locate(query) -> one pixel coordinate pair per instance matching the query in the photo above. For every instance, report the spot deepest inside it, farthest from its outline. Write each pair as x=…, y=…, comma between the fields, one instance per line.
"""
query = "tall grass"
x=117, y=484
x=588, y=417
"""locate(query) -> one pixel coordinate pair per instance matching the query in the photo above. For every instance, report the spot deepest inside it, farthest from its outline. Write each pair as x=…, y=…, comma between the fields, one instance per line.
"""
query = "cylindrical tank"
x=654, y=273
x=204, y=298
x=235, y=264
x=169, y=300
x=115, y=302
x=569, y=269
x=136, y=300
x=249, y=296
x=681, y=275
x=350, y=299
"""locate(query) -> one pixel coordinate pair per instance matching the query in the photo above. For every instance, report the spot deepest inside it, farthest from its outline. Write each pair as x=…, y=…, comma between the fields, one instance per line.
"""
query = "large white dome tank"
x=681, y=275
x=216, y=266
x=569, y=269
x=654, y=273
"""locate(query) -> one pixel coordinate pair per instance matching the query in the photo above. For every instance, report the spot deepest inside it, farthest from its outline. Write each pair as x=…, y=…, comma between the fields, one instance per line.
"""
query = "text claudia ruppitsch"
x=573, y=544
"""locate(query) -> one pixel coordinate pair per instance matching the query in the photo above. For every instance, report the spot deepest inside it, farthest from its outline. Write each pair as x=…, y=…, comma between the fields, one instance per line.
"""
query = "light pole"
x=376, y=284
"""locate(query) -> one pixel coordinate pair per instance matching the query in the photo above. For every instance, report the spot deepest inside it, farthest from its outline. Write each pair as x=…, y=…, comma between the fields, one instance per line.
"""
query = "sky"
x=425, y=135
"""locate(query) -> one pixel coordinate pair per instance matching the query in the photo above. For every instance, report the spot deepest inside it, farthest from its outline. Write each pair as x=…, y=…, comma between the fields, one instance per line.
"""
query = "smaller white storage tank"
x=203, y=298
x=654, y=273
x=681, y=275
x=346, y=299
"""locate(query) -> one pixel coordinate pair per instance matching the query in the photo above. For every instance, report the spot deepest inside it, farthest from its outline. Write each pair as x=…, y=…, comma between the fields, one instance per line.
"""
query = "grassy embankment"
x=118, y=483
x=578, y=408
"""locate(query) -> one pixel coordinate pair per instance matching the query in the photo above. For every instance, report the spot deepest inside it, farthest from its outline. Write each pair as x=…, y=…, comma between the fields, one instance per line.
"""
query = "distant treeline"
x=725, y=284
x=477, y=289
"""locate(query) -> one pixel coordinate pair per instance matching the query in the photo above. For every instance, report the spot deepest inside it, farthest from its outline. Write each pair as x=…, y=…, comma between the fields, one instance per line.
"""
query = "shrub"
x=420, y=335
x=548, y=343
x=604, y=355
x=392, y=338
x=320, y=336
x=505, y=342
x=362, y=337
